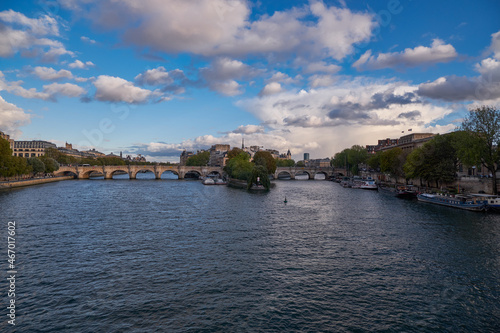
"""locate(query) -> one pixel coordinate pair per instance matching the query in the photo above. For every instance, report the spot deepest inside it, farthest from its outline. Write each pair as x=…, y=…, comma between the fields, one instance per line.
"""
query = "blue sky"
x=158, y=76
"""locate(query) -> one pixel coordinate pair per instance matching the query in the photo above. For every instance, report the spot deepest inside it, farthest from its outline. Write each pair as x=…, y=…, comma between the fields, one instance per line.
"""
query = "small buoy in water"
x=285, y=200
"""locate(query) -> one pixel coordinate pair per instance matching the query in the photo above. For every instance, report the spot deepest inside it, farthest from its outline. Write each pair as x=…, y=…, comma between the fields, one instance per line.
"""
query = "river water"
x=177, y=256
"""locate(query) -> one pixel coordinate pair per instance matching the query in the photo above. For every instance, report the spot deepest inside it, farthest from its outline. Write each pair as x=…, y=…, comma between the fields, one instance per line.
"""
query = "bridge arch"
x=321, y=173
x=167, y=172
x=133, y=174
x=191, y=171
x=66, y=173
x=302, y=173
x=284, y=175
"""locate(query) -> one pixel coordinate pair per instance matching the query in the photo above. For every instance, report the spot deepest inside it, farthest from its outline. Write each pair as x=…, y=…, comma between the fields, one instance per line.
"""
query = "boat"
x=467, y=202
x=402, y=191
x=220, y=181
x=369, y=185
x=208, y=181
x=492, y=200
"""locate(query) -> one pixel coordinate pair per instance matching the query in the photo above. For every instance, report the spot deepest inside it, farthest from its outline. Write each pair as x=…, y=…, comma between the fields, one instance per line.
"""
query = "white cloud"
x=225, y=27
x=438, y=52
x=30, y=37
x=81, y=65
x=45, y=25
x=87, y=40
x=12, y=117
x=65, y=89
x=321, y=80
x=115, y=89
x=321, y=67
x=270, y=88
x=159, y=76
x=227, y=88
x=249, y=129
x=47, y=73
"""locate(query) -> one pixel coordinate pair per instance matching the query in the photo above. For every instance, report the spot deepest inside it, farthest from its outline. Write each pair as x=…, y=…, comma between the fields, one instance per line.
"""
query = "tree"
x=300, y=164
x=258, y=176
x=350, y=158
x=37, y=166
x=234, y=152
x=239, y=166
x=374, y=161
x=284, y=163
x=392, y=161
x=265, y=159
x=435, y=161
x=481, y=141
x=51, y=164
x=200, y=159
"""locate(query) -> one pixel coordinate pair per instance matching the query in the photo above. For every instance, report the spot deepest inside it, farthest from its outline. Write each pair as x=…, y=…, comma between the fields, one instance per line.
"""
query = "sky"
x=155, y=77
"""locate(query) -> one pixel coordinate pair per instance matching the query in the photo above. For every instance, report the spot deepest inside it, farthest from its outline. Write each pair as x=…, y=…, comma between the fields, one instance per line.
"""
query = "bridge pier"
x=108, y=175
x=132, y=175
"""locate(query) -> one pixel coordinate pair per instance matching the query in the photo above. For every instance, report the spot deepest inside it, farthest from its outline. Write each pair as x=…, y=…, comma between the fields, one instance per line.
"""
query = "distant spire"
x=242, y=143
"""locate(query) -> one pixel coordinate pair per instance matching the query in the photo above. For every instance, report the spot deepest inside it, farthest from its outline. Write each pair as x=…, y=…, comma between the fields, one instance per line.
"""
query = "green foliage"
x=481, y=139
x=265, y=159
x=11, y=165
x=239, y=166
x=300, y=164
x=284, y=163
x=259, y=175
x=200, y=159
x=37, y=166
x=374, y=161
x=392, y=161
x=435, y=161
x=51, y=164
x=350, y=158
x=234, y=152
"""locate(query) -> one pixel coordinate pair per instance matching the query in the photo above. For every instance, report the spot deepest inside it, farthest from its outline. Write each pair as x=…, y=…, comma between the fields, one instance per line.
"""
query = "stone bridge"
x=309, y=171
x=83, y=172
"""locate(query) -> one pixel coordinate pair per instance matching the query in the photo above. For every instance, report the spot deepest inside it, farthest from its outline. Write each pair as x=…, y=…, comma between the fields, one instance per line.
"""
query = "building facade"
x=33, y=148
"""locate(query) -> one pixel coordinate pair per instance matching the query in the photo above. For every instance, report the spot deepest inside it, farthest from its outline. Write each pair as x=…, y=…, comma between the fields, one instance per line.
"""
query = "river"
x=177, y=256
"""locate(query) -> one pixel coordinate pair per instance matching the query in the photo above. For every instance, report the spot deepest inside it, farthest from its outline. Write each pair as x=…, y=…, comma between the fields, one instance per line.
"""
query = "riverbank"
x=30, y=182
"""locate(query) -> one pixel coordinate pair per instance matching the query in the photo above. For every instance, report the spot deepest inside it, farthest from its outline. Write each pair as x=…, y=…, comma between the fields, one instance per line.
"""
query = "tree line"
x=12, y=166
x=476, y=142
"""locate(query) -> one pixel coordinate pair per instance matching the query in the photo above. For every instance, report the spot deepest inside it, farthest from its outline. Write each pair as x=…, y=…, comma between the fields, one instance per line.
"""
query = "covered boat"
x=467, y=202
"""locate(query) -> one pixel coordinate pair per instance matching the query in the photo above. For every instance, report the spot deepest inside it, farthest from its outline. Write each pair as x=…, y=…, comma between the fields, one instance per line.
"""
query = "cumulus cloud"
x=321, y=67
x=64, y=89
x=81, y=65
x=321, y=80
x=270, y=88
x=223, y=72
x=249, y=129
x=12, y=117
x=50, y=74
x=438, y=52
x=115, y=89
x=226, y=27
x=351, y=111
x=20, y=33
x=159, y=77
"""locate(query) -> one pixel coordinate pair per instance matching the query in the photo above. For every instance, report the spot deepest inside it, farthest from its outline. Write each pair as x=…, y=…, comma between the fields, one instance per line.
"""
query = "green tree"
x=480, y=142
x=37, y=166
x=284, y=163
x=392, y=161
x=51, y=164
x=259, y=175
x=300, y=164
x=265, y=159
x=350, y=158
x=239, y=167
x=374, y=161
x=435, y=161
x=200, y=159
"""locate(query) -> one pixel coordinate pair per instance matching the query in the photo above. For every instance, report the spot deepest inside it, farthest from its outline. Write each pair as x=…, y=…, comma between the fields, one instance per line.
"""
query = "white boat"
x=208, y=181
x=220, y=181
x=369, y=185
x=492, y=200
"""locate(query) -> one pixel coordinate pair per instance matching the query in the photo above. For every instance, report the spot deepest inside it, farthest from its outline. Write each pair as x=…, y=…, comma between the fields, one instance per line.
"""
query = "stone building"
x=33, y=148
x=184, y=157
x=218, y=155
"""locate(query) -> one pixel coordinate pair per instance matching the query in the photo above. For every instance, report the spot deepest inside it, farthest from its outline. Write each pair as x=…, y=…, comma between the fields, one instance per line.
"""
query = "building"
x=318, y=163
x=372, y=149
x=287, y=156
x=414, y=140
x=184, y=157
x=94, y=153
x=218, y=155
x=7, y=137
x=33, y=148
x=306, y=157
